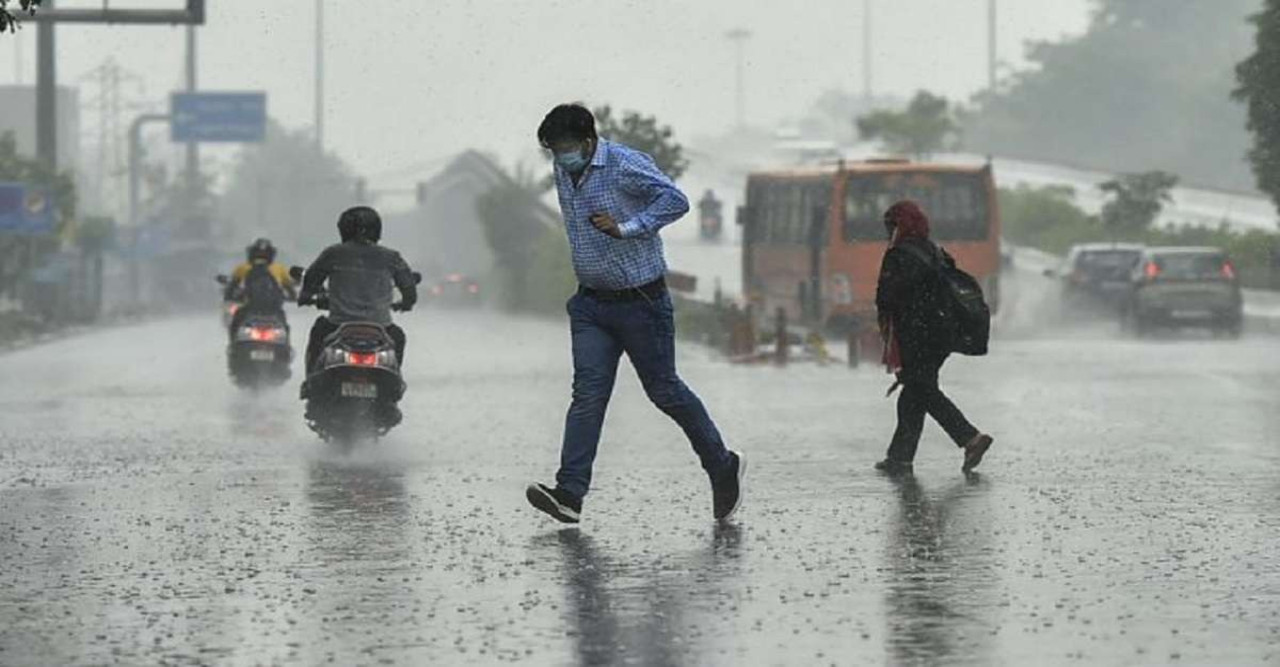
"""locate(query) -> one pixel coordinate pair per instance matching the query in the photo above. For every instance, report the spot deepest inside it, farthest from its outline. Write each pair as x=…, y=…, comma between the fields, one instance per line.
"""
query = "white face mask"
x=572, y=161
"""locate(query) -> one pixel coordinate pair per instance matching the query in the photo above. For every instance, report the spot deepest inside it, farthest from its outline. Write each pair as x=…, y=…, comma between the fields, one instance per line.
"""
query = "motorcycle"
x=354, y=386
x=259, y=353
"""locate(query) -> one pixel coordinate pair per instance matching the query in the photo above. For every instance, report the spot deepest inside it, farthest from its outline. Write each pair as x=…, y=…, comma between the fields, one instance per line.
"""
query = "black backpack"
x=962, y=298
x=262, y=293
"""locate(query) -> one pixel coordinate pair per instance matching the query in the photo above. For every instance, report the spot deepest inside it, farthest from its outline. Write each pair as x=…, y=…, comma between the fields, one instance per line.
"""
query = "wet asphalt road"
x=151, y=513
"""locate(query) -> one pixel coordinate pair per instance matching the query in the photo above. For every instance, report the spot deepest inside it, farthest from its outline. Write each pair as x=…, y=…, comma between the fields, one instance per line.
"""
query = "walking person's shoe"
x=726, y=487
x=975, y=450
x=557, y=502
x=894, y=467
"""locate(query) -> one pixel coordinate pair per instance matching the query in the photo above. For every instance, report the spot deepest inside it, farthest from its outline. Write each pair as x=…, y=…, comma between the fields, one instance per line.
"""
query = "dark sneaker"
x=892, y=467
x=726, y=488
x=557, y=502
x=975, y=450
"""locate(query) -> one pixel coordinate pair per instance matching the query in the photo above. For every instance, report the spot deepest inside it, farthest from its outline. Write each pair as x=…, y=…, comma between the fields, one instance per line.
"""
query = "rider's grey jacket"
x=360, y=277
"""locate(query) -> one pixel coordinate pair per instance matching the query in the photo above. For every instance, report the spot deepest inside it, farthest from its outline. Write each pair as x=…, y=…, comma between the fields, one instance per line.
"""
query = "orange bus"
x=813, y=237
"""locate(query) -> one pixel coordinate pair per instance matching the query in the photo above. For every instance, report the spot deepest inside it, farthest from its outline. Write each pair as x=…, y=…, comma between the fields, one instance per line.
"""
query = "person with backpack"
x=260, y=284
x=927, y=309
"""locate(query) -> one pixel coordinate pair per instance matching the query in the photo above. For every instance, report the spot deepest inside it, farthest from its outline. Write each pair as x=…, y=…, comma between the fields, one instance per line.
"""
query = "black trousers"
x=323, y=327
x=920, y=396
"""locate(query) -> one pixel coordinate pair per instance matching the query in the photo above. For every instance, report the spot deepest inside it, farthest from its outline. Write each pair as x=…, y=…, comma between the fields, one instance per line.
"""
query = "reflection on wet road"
x=150, y=513
x=940, y=575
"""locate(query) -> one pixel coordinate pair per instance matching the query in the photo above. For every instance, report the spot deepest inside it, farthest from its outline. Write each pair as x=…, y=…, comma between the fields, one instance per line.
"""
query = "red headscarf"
x=908, y=220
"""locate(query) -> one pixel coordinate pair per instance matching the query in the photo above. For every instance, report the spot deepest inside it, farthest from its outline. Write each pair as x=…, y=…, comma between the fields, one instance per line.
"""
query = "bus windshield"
x=955, y=203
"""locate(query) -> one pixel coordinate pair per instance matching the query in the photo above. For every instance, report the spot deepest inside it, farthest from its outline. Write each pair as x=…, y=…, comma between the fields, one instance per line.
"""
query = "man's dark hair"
x=360, y=223
x=567, y=122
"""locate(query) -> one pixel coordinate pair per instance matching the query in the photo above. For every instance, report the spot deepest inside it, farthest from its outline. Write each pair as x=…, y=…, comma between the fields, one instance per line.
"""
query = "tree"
x=289, y=189
x=17, y=167
x=644, y=134
x=925, y=126
x=9, y=22
x=1137, y=199
x=1258, y=79
x=1146, y=86
x=531, y=257
x=19, y=253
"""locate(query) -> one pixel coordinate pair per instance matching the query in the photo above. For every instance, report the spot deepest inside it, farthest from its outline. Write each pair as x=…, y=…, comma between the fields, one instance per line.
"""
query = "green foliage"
x=1047, y=219
x=1137, y=199
x=9, y=22
x=531, y=259
x=925, y=126
x=20, y=168
x=550, y=279
x=1258, y=79
x=288, y=189
x=644, y=134
x=1148, y=85
x=96, y=233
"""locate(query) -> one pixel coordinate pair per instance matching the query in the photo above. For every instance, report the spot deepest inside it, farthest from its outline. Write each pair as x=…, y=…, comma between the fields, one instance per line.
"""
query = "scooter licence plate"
x=359, y=390
x=262, y=355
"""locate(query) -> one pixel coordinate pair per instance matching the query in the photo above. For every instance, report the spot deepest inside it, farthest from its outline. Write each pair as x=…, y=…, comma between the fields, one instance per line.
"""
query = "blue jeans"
x=645, y=330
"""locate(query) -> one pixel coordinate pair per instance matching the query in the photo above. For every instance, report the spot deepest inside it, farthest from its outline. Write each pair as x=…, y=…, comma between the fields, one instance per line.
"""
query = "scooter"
x=354, y=386
x=258, y=353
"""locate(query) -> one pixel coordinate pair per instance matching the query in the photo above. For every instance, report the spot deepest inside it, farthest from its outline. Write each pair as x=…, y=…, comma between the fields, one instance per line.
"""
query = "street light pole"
x=739, y=36
x=46, y=94
x=193, y=148
x=991, y=45
x=319, y=102
x=867, y=91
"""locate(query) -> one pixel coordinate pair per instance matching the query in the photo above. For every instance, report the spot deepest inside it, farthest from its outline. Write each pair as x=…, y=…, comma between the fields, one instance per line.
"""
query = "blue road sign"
x=26, y=210
x=236, y=117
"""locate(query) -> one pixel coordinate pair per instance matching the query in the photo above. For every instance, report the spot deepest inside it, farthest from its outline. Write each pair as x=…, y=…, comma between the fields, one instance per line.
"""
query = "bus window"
x=955, y=203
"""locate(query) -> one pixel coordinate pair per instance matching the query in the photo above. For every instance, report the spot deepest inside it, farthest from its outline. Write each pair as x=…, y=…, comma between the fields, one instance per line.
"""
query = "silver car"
x=1185, y=287
x=1097, y=274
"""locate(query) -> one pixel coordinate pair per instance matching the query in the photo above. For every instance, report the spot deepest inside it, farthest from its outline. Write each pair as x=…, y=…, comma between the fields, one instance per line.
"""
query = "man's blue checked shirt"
x=626, y=184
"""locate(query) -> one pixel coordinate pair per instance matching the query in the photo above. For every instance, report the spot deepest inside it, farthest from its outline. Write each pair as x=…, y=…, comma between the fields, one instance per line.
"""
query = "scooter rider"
x=261, y=284
x=361, y=275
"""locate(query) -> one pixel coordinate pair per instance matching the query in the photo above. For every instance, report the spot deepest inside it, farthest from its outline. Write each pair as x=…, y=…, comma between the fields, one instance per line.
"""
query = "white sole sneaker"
x=742, y=490
x=540, y=498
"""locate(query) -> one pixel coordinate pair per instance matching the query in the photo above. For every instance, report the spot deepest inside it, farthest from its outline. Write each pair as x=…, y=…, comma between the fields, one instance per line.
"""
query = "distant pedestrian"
x=614, y=200
x=918, y=326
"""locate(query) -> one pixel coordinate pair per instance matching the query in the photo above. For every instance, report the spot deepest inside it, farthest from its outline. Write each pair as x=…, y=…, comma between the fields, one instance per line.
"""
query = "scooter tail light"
x=361, y=359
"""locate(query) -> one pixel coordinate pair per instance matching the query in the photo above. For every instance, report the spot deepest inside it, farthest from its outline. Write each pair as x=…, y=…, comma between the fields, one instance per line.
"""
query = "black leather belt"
x=651, y=290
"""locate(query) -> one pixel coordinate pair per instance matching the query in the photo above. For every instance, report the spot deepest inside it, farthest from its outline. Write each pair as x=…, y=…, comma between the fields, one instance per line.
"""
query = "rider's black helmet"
x=261, y=249
x=360, y=223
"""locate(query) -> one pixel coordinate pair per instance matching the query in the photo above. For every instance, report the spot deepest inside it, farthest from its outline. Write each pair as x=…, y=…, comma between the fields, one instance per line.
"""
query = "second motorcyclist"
x=259, y=284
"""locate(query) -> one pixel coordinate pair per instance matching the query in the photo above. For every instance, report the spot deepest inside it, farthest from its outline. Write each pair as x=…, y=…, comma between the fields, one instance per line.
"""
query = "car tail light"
x=358, y=359
x=437, y=290
x=1151, y=270
x=474, y=289
x=1228, y=271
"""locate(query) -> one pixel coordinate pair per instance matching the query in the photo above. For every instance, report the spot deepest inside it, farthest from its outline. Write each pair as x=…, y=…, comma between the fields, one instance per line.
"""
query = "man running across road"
x=614, y=200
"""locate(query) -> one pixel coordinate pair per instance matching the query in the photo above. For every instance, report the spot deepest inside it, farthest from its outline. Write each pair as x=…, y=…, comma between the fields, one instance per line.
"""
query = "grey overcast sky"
x=410, y=81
